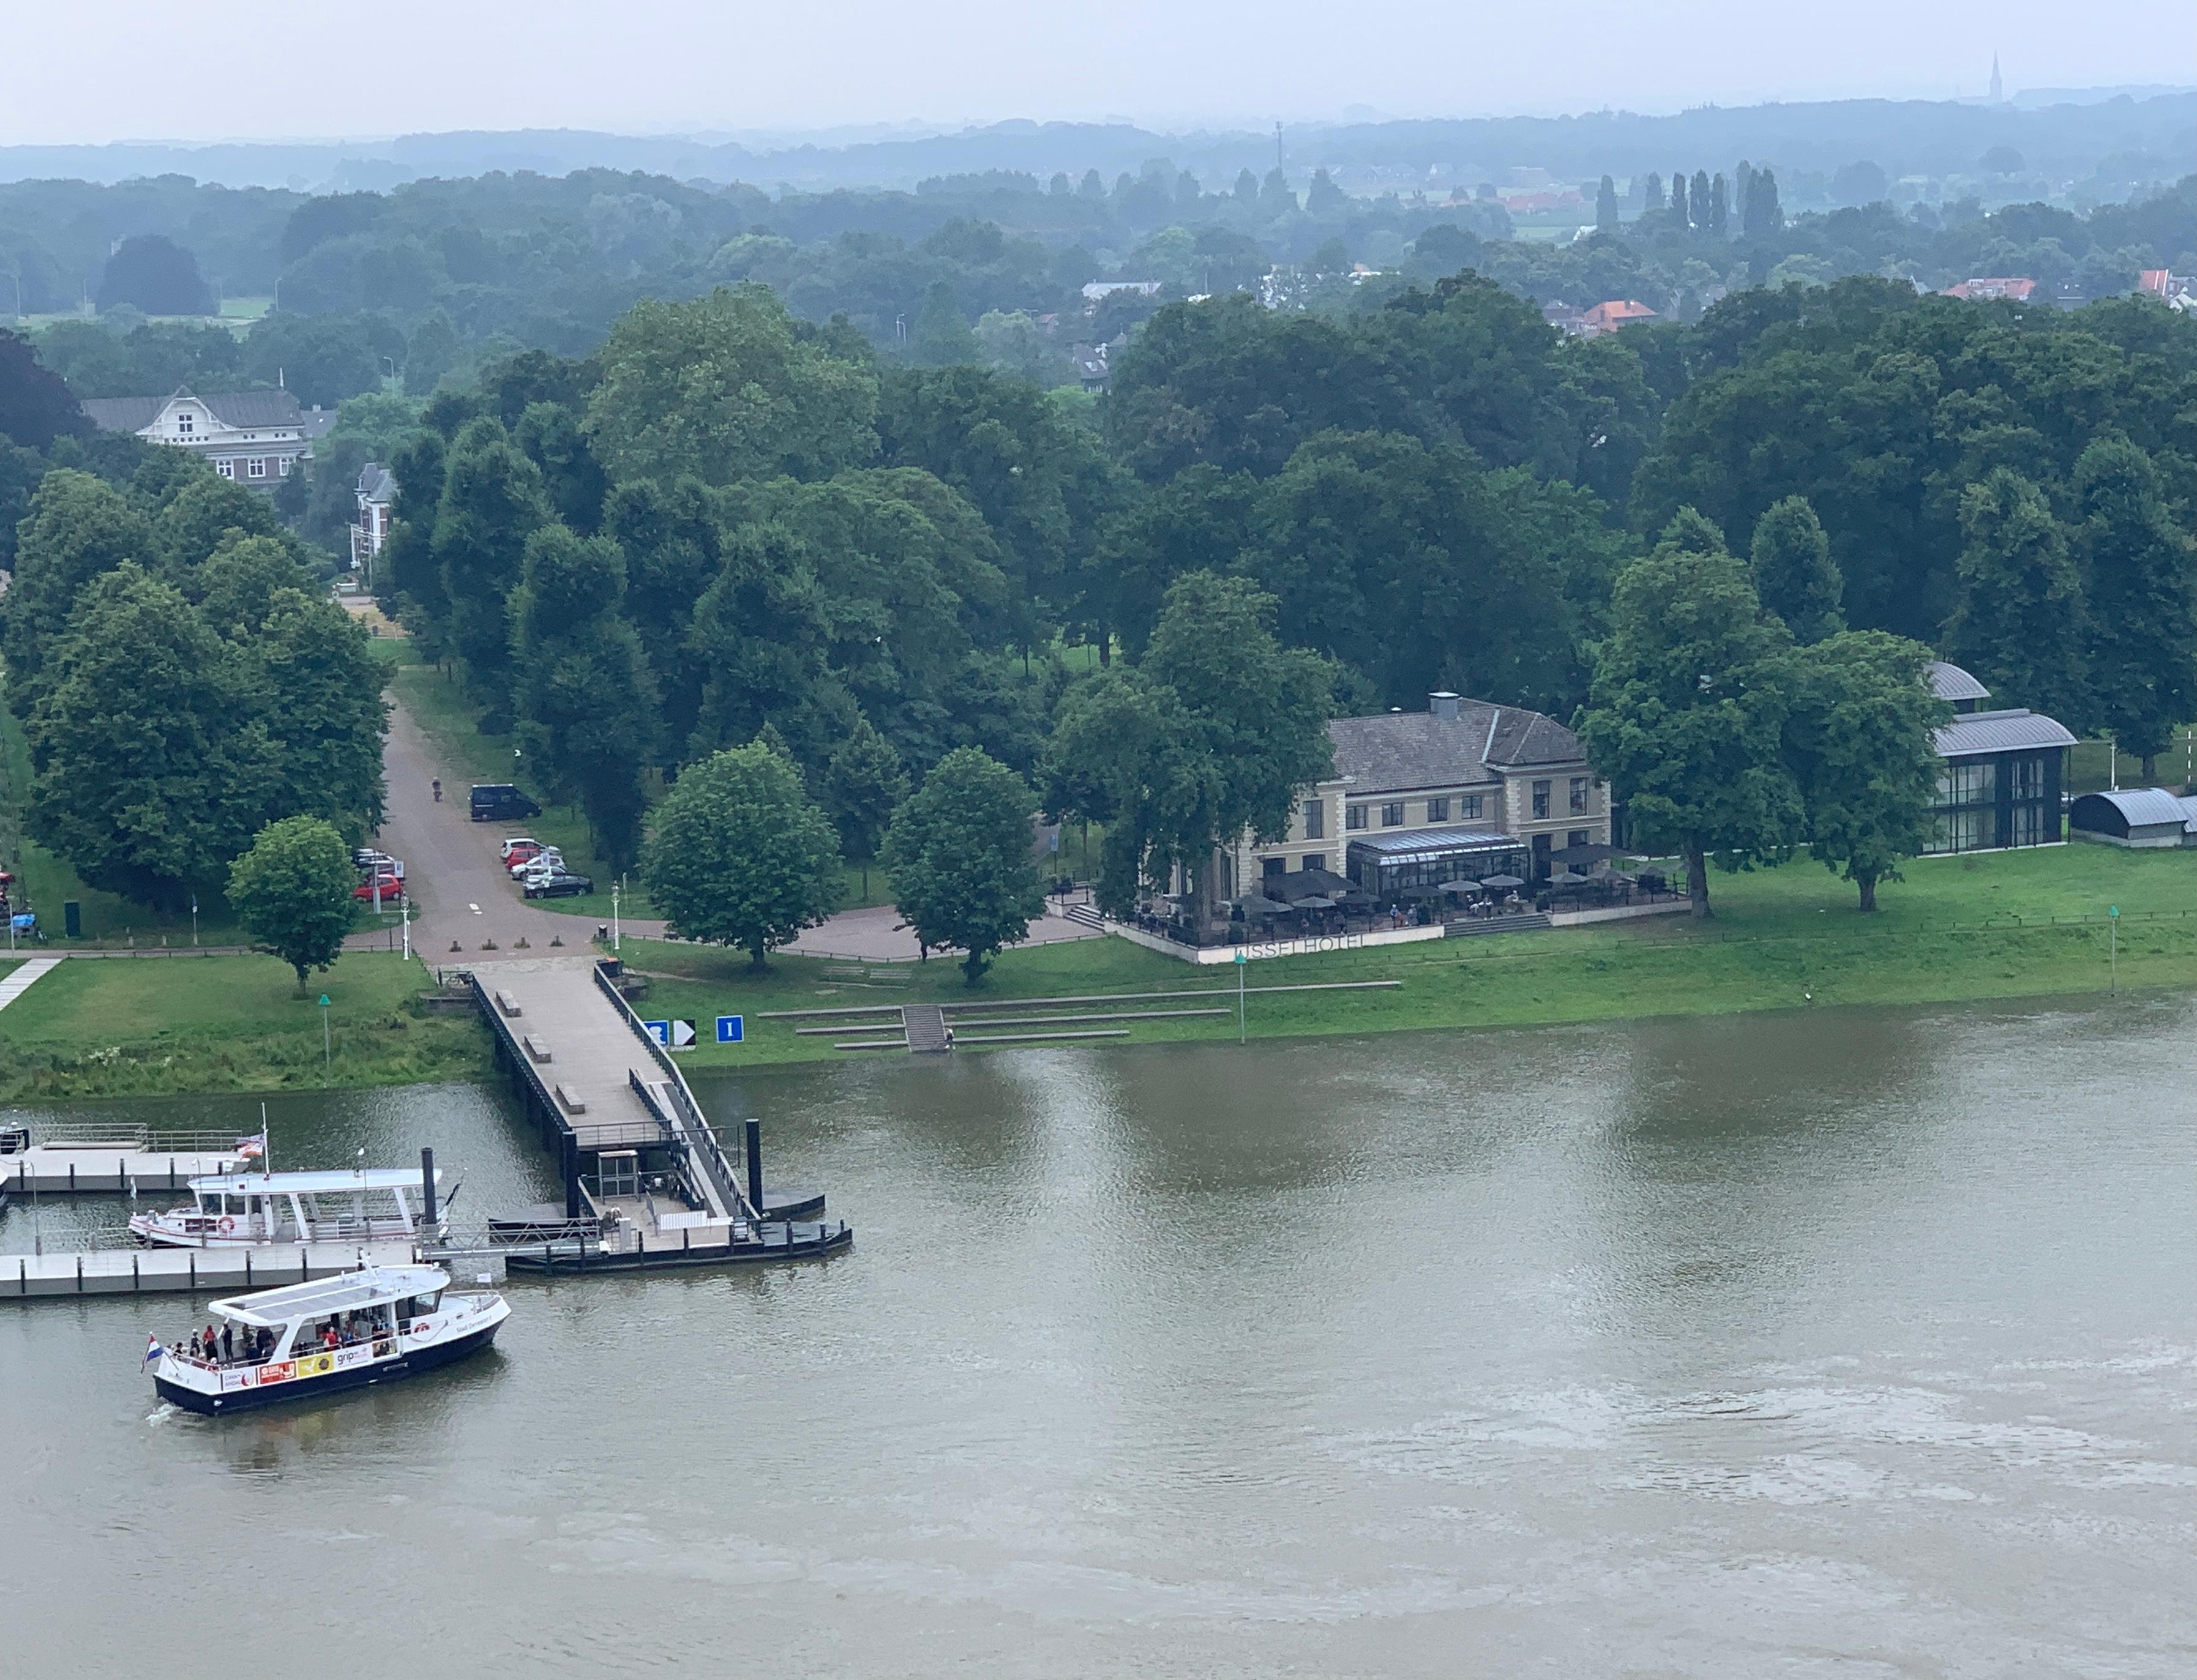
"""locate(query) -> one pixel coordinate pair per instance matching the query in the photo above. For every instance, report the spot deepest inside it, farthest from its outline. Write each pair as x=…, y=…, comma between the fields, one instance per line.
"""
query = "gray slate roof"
x=1952, y=683
x=2017, y=731
x=376, y=482
x=2144, y=807
x=249, y=410
x=1394, y=753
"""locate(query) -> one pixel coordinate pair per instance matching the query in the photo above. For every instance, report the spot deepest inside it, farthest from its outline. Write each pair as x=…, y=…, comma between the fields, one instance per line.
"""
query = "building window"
x=1579, y=796
x=186, y=423
x=1968, y=784
x=1353, y=816
x=1580, y=837
x=1315, y=820
x=226, y=468
x=256, y=467
x=1392, y=814
x=283, y=466
x=2027, y=828
x=2028, y=778
x=1471, y=803
x=1540, y=799
x=1315, y=861
x=1437, y=810
x=1964, y=830
x=1273, y=869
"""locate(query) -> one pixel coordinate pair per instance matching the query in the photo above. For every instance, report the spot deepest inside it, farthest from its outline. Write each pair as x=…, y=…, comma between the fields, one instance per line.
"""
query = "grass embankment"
x=2004, y=924
x=103, y=1027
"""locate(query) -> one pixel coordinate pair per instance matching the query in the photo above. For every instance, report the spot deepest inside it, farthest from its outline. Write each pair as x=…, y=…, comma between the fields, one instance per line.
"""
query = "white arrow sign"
x=682, y=1035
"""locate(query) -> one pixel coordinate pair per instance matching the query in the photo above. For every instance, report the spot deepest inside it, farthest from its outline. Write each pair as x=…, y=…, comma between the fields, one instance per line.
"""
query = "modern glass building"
x=2003, y=775
x=1385, y=865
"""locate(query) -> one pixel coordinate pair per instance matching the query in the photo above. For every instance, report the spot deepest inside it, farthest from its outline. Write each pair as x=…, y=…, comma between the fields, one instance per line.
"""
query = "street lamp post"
x=1242, y=961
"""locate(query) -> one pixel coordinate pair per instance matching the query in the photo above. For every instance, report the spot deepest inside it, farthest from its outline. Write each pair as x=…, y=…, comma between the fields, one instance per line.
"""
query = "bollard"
x=755, y=1166
x=247, y=1268
x=133, y=1271
x=193, y=1255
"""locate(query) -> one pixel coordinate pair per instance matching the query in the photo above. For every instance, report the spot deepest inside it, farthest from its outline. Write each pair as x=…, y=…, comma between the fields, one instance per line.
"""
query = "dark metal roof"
x=241, y=410
x=1445, y=842
x=376, y=482
x=2139, y=807
x=1394, y=752
x=1952, y=683
x=2018, y=731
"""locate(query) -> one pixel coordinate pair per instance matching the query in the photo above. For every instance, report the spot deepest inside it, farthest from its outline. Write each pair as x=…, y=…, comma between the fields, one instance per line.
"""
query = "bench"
x=536, y=1047
x=572, y=1100
x=508, y=1004
x=873, y=976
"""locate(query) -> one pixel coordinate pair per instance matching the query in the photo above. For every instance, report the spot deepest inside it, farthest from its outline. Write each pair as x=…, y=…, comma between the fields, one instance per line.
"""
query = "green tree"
x=1209, y=737
x=36, y=405
x=740, y=854
x=202, y=514
x=2140, y=581
x=961, y=856
x=1323, y=197
x=492, y=501
x=1690, y=700
x=433, y=352
x=293, y=892
x=1680, y=217
x=1606, y=215
x=585, y=705
x=1794, y=572
x=316, y=685
x=863, y=785
x=940, y=335
x=1861, y=744
x=2019, y=621
x=723, y=388
x=78, y=529
x=153, y=273
x=549, y=433
x=152, y=767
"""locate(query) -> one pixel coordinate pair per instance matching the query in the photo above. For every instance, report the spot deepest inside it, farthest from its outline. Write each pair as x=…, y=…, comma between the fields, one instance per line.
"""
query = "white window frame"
x=256, y=466
x=226, y=467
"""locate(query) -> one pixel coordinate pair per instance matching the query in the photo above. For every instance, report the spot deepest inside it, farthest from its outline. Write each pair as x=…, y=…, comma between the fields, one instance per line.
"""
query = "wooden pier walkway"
x=225, y=1270
x=598, y=1083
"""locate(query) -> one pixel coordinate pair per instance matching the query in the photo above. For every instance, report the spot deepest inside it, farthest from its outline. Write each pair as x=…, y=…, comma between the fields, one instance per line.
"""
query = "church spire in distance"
x=1998, y=87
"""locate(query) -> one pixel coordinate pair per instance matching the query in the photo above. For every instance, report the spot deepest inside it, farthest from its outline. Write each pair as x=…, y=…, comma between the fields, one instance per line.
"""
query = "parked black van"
x=500, y=801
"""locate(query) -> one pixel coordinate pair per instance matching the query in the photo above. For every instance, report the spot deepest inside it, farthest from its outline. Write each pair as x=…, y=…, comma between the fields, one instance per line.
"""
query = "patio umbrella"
x=1502, y=882
x=1564, y=877
x=1314, y=903
x=1258, y=904
x=1423, y=891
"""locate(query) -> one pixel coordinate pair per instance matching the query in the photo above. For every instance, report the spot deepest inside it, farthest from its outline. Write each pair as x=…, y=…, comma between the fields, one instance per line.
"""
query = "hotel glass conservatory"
x=1387, y=864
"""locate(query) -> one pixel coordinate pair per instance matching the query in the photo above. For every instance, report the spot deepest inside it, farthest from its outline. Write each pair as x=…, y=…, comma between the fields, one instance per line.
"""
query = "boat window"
x=429, y=1302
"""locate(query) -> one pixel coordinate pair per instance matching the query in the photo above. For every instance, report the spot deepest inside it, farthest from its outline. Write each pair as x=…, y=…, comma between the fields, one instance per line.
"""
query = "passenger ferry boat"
x=366, y=1205
x=373, y=1325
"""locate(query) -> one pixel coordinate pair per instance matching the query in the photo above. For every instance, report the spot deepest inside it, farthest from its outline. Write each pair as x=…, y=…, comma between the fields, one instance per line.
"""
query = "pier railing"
x=140, y=1139
x=686, y=1115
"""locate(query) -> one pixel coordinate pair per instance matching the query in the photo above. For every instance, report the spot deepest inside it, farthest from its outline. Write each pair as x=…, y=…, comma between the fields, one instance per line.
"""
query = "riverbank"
x=111, y=1027
x=2001, y=925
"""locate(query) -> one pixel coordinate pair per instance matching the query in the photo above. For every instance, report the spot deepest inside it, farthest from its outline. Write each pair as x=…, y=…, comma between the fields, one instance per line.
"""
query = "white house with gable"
x=255, y=438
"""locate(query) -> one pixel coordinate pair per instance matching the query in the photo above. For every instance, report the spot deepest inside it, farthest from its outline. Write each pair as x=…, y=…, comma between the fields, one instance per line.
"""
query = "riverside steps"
x=646, y=1181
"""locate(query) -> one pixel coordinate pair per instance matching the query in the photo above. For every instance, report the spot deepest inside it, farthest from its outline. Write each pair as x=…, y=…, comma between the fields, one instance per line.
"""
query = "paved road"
x=460, y=890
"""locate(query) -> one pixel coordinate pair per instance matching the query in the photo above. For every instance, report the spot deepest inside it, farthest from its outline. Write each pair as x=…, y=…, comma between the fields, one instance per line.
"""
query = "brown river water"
x=1850, y=1343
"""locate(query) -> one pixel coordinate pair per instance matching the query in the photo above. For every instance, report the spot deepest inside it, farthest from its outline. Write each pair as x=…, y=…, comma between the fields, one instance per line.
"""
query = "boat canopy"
x=346, y=1292
x=310, y=1184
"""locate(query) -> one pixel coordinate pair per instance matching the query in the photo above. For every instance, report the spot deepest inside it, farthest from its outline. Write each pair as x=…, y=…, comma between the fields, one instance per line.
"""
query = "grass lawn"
x=117, y=1026
x=2003, y=924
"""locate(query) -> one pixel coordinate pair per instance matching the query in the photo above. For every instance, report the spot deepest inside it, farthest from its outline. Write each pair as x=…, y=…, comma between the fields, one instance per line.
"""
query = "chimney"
x=1443, y=704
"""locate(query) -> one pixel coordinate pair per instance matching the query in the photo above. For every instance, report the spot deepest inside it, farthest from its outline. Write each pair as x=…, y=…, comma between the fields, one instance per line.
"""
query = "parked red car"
x=391, y=889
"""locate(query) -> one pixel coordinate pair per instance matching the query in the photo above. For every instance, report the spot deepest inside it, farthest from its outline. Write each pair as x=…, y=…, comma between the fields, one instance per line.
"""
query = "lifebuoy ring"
x=226, y=1224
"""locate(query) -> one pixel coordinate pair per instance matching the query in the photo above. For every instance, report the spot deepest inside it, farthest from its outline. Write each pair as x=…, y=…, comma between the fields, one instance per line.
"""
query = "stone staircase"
x=1085, y=916
x=1464, y=927
x=926, y=1029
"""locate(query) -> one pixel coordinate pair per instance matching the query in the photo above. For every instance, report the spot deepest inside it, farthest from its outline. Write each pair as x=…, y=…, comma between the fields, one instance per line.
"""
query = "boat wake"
x=162, y=1412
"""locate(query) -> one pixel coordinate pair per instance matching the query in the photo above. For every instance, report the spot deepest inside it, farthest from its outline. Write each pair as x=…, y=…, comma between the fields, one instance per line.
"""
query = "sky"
x=93, y=70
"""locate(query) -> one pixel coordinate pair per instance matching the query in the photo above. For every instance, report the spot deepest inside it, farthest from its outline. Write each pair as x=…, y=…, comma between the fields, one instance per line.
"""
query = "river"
x=1849, y=1343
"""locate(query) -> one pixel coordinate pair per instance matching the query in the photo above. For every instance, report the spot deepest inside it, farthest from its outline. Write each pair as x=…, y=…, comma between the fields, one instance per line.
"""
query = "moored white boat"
x=366, y=1205
x=378, y=1325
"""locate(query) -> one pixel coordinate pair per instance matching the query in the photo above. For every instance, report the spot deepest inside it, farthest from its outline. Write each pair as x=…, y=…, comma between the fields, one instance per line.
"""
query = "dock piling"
x=755, y=1166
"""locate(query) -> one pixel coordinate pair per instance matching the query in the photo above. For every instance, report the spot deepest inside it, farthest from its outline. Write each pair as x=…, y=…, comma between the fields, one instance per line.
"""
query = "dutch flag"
x=252, y=1149
x=152, y=1348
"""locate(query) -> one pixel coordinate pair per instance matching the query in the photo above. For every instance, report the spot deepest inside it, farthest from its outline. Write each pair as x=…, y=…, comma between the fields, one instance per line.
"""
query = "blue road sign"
x=731, y=1029
x=659, y=1030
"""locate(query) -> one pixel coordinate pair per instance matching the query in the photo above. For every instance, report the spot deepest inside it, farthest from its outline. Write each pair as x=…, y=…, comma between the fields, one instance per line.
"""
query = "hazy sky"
x=99, y=70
